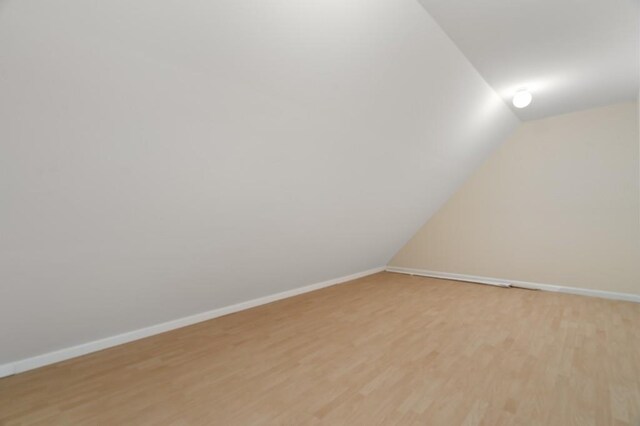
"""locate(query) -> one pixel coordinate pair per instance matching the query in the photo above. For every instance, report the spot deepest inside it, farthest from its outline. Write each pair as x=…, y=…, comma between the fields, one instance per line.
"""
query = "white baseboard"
x=6, y=370
x=513, y=283
x=108, y=342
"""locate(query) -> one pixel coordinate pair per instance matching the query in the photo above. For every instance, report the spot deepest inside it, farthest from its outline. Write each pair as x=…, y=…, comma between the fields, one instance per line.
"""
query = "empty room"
x=320, y=212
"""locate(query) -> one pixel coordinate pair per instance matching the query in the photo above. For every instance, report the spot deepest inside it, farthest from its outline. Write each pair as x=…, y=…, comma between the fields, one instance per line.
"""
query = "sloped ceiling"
x=571, y=54
x=162, y=158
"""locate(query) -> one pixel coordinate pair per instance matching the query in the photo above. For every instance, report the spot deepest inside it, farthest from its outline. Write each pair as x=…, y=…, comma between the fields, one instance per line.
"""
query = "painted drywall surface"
x=556, y=204
x=572, y=55
x=163, y=158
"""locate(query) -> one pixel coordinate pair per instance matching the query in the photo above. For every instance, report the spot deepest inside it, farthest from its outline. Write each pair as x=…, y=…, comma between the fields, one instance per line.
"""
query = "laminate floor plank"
x=388, y=349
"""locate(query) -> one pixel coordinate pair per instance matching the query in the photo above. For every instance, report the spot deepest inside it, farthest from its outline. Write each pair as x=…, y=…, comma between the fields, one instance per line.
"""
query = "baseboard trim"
x=6, y=370
x=514, y=283
x=449, y=276
x=108, y=342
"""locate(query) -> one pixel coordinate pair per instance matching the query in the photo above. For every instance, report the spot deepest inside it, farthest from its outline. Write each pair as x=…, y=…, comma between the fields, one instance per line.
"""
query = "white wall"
x=161, y=158
x=557, y=204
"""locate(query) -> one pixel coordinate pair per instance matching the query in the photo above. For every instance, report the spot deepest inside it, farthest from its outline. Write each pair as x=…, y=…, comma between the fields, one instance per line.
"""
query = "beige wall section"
x=558, y=203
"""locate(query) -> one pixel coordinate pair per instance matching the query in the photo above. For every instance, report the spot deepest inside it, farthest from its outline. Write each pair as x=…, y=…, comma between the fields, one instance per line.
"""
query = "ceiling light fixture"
x=522, y=98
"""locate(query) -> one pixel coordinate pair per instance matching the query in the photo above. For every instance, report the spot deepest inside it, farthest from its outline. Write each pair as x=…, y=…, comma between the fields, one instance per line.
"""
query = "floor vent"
x=523, y=288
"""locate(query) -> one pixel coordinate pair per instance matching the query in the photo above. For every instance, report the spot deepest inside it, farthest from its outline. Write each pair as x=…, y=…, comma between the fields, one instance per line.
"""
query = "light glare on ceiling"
x=522, y=98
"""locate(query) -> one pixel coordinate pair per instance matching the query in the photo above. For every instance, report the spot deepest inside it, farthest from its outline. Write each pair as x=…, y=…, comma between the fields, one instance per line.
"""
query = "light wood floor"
x=383, y=350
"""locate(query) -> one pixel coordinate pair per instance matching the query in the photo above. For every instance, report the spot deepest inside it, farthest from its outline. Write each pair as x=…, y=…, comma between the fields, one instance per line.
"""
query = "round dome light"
x=521, y=99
